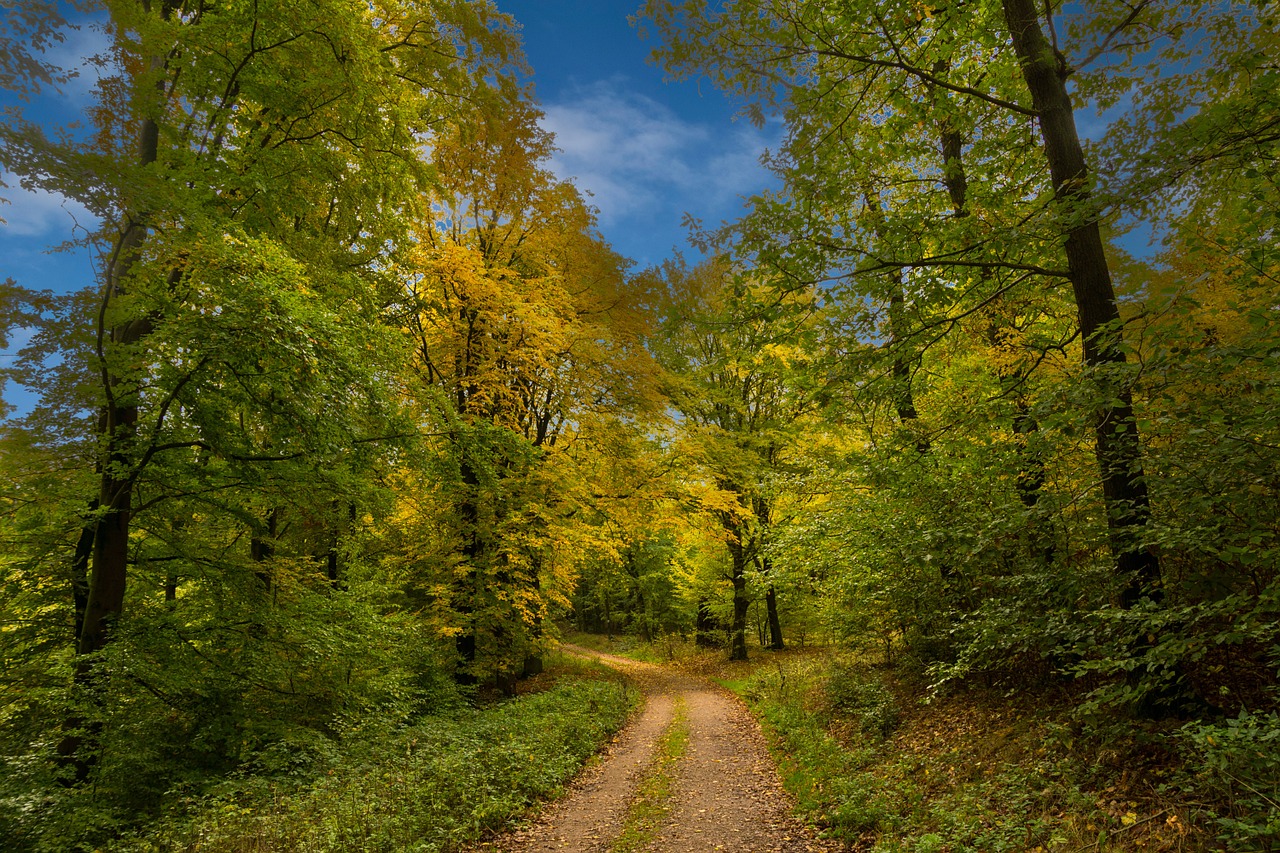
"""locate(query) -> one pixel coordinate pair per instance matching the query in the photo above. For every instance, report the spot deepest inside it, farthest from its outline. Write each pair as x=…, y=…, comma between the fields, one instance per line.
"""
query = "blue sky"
x=646, y=152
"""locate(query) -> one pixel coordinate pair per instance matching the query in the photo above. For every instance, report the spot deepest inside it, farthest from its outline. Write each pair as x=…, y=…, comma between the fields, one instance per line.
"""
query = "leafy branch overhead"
x=363, y=413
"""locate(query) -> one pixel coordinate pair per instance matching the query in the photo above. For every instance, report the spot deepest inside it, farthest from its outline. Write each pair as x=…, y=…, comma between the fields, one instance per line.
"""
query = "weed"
x=965, y=774
x=433, y=785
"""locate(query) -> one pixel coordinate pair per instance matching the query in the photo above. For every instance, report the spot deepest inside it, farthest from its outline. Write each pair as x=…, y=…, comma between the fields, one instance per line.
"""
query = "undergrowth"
x=875, y=767
x=435, y=783
x=884, y=767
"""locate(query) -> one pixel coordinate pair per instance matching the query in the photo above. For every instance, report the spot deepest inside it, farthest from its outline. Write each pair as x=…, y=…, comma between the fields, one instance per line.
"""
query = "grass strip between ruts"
x=653, y=796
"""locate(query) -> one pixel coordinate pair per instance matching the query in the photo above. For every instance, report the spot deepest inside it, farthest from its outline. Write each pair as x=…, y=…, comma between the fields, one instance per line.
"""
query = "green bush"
x=1240, y=761
x=434, y=785
x=854, y=691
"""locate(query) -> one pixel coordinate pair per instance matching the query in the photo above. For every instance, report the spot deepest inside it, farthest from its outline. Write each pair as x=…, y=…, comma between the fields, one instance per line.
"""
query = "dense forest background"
x=364, y=411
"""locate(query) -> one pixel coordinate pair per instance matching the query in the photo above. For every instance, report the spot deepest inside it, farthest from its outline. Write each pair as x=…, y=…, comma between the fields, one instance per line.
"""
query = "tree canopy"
x=363, y=411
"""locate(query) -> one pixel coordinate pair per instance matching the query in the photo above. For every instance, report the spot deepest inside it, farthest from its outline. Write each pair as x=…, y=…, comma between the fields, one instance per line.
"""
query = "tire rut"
x=727, y=793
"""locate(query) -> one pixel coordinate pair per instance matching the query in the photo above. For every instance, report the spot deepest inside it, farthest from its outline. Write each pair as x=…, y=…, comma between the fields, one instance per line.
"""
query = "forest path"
x=725, y=795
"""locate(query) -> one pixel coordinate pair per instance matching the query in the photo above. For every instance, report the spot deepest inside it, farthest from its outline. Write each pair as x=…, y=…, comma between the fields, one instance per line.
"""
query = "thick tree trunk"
x=107, y=579
x=109, y=556
x=1118, y=448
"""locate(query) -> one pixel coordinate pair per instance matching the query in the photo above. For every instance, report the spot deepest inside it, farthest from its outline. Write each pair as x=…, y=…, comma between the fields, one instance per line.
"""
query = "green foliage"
x=370, y=420
x=957, y=777
x=635, y=592
x=1240, y=763
x=392, y=779
x=827, y=776
x=197, y=694
x=954, y=521
x=854, y=692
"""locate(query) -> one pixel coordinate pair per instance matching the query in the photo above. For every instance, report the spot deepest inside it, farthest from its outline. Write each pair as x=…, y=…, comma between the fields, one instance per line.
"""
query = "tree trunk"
x=738, y=630
x=109, y=555
x=775, y=624
x=1118, y=449
x=705, y=627
x=1031, y=473
x=465, y=589
x=263, y=547
x=80, y=569
x=764, y=518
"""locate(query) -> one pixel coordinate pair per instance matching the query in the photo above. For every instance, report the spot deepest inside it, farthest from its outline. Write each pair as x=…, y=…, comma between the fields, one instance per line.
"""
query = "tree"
x=858, y=81
x=935, y=177
x=527, y=334
x=235, y=204
x=733, y=353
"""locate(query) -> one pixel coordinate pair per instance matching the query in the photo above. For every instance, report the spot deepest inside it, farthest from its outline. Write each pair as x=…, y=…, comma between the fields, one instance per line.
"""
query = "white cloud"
x=38, y=213
x=641, y=161
x=80, y=51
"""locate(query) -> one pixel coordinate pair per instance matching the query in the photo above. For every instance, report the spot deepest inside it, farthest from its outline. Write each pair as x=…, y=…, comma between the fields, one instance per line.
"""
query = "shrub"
x=1240, y=758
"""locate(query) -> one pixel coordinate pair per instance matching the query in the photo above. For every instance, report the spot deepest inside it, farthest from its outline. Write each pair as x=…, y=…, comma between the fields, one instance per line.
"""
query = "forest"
x=364, y=415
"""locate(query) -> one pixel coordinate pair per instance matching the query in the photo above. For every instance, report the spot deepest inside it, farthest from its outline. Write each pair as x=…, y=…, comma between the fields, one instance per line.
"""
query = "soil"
x=727, y=795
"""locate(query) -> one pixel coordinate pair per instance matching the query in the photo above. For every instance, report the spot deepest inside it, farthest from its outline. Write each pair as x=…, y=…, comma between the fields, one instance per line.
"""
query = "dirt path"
x=726, y=795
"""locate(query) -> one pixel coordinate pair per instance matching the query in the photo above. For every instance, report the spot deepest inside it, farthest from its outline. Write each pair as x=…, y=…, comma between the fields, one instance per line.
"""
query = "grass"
x=872, y=764
x=438, y=784
x=653, y=796
x=664, y=650
x=972, y=773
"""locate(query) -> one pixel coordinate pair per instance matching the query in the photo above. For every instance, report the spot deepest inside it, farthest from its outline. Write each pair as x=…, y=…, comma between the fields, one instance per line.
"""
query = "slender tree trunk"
x=71, y=755
x=764, y=517
x=704, y=635
x=532, y=663
x=775, y=624
x=904, y=365
x=465, y=589
x=1118, y=449
x=262, y=547
x=80, y=569
x=738, y=630
x=1031, y=474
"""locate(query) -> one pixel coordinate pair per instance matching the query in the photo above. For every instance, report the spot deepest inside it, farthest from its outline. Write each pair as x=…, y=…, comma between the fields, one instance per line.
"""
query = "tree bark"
x=705, y=627
x=80, y=569
x=904, y=364
x=1118, y=449
x=775, y=624
x=738, y=630
x=1031, y=473
x=764, y=517
x=263, y=547
x=465, y=590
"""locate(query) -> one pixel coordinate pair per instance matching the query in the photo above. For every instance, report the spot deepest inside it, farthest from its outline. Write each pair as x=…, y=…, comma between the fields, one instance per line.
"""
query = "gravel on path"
x=727, y=793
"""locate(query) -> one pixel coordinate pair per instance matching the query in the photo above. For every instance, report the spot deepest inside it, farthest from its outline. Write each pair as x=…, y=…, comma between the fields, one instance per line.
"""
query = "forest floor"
x=691, y=772
x=868, y=760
